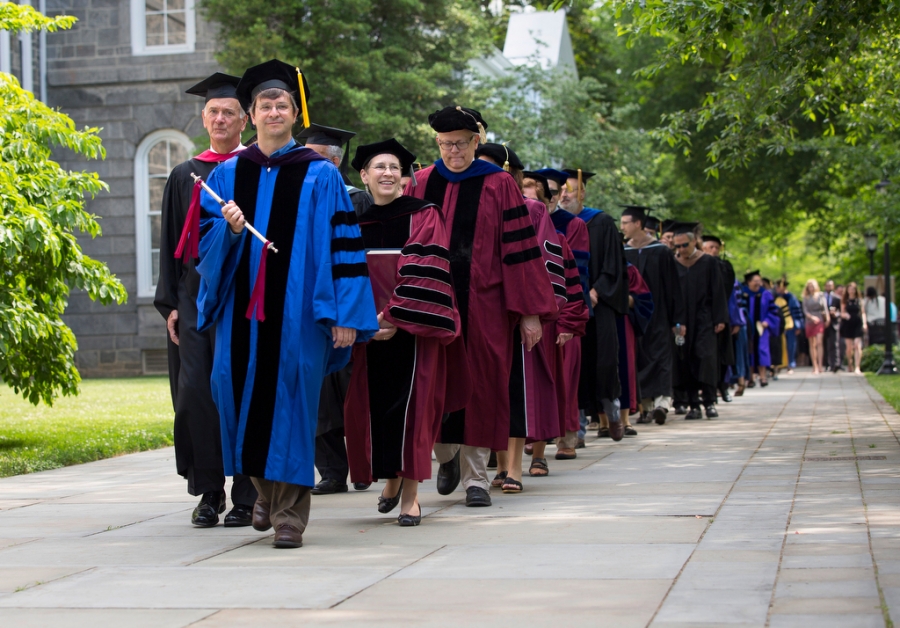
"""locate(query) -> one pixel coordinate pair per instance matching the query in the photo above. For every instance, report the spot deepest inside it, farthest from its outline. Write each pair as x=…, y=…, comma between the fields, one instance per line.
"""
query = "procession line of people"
x=472, y=309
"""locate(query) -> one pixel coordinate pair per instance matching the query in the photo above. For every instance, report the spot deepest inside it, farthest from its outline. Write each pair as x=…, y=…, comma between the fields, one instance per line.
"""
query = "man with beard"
x=198, y=443
x=696, y=362
x=658, y=267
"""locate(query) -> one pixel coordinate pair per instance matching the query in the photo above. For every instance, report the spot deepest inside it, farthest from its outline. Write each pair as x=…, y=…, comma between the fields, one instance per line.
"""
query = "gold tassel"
x=482, y=134
x=303, y=107
x=506, y=163
x=579, y=183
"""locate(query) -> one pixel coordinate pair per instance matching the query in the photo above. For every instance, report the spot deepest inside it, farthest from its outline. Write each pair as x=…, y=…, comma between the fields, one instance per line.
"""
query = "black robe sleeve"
x=717, y=294
x=174, y=209
x=608, y=275
x=674, y=298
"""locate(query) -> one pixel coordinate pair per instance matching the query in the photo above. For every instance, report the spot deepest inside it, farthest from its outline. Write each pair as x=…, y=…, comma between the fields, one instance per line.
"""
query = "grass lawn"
x=888, y=386
x=110, y=417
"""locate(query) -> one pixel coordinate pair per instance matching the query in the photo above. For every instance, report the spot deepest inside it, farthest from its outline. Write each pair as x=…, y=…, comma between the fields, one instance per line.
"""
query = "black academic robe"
x=658, y=267
x=600, y=344
x=724, y=337
x=196, y=431
x=696, y=361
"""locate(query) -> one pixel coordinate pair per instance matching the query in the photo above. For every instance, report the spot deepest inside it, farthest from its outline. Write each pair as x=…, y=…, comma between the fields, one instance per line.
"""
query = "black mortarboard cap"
x=636, y=211
x=272, y=73
x=680, y=228
x=554, y=175
x=365, y=153
x=329, y=136
x=750, y=275
x=541, y=179
x=456, y=118
x=573, y=174
x=712, y=238
x=667, y=225
x=651, y=223
x=219, y=85
x=416, y=166
x=500, y=154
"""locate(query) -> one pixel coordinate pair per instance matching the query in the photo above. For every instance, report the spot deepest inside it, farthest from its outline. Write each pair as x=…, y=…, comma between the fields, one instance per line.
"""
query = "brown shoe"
x=287, y=536
x=616, y=430
x=566, y=454
x=261, y=516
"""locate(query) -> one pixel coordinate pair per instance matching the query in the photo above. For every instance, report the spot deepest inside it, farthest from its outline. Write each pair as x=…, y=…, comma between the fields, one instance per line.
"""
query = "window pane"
x=156, y=36
x=154, y=269
x=175, y=5
x=157, y=162
x=177, y=30
x=155, y=226
x=177, y=153
x=157, y=185
x=154, y=6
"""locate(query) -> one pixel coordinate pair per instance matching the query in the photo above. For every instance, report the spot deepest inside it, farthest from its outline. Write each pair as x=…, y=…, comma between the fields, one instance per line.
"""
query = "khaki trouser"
x=472, y=463
x=288, y=503
x=657, y=402
x=568, y=441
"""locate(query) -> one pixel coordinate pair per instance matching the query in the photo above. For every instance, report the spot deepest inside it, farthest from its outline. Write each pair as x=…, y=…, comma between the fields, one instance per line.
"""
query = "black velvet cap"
x=500, y=154
x=272, y=73
x=542, y=181
x=750, y=275
x=554, y=175
x=366, y=152
x=325, y=135
x=573, y=174
x=712, y=238
x=456, y=118
x=680, y=228
x=218, y=85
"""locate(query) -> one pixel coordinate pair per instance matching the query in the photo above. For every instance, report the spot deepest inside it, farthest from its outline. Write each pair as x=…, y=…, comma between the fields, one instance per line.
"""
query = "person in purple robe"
x=762, y=321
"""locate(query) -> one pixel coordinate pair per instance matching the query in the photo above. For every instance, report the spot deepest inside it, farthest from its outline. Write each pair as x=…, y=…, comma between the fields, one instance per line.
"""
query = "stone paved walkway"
x=759, y=518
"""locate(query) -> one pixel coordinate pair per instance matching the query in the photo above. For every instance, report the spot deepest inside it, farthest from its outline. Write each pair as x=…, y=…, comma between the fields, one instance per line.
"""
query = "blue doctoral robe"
x=267, y=375
x=761, y=308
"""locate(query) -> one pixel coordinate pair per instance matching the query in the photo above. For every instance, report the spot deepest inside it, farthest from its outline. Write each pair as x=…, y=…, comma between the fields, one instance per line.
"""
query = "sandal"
x=539, y=464
x=499, y=479
x=512, y=486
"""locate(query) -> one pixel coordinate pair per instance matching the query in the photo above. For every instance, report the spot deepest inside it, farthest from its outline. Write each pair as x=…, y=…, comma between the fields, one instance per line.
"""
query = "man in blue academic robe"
x=283, y=319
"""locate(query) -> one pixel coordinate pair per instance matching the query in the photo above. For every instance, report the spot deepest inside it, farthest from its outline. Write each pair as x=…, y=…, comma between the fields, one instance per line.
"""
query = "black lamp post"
x=888, y=367
x=871, y=244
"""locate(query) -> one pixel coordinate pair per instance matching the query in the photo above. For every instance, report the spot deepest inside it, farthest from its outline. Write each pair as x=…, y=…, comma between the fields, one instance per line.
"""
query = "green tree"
x=41, y=206
x=378, y=67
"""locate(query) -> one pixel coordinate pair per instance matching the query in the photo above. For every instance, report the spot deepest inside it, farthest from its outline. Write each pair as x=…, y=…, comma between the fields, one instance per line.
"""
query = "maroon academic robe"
x=399, y=389
x=532, y=387
x=572, y=319
x=498, y=275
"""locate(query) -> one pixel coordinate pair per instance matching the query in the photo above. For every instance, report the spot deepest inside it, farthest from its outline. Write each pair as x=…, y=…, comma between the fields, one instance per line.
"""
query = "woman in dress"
x=817, y=319
x=853, y=326
x=401, y=384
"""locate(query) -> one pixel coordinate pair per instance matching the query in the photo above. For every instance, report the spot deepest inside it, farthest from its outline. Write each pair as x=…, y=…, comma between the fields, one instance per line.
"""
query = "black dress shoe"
x=328, y=486
x=630, y=431
x=477, y=497
x=659, y=415
x=387, y=504
x=409, y=521
x=448, y=476
x=361, y=486
x=206, y=514
x=681, y=410
x=693, y=415
x=726, y=396
x=603, y=432
x=239, y=517
x=711, y=412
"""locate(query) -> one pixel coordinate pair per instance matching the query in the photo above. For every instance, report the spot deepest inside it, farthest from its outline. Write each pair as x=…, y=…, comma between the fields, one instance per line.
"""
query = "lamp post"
x=871, y=244
x=888, y=367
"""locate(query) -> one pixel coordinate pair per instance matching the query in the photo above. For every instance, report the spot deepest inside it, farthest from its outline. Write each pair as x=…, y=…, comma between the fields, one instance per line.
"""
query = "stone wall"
x=93, y=77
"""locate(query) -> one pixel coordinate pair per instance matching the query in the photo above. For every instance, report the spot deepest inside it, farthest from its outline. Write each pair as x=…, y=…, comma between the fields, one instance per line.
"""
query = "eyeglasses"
x=281, y=107
x=682, y=246
x=553, y=192
x=394, y=168
x=460, y=145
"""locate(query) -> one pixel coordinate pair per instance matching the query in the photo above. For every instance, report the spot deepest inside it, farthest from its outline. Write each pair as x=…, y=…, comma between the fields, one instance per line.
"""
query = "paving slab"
x=701, y=524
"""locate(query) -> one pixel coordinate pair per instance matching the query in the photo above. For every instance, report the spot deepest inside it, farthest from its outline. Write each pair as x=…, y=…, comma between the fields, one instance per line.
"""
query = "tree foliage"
x=378, y=67
x=41, y=207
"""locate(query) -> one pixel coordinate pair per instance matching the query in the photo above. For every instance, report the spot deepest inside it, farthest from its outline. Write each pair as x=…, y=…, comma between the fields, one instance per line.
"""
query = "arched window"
x=156, y=155
x=162, y=26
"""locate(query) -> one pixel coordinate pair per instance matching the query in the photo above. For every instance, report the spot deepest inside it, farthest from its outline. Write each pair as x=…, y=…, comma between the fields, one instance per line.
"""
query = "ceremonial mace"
x=219, y=200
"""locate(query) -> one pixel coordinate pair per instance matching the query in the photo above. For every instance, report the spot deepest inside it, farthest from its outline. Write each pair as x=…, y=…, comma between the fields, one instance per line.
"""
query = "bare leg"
x=514, y=458
x=503, y=460
x=857, y=342
x=409, y=499
x=848, y=346
x=762, y=374
x=391, y=487
x=623, y=416
x=814, y=354
x=539, y=449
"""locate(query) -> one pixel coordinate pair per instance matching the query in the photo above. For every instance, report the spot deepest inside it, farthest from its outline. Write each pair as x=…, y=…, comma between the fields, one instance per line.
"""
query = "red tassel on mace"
x=189, y=243
x=256, y=307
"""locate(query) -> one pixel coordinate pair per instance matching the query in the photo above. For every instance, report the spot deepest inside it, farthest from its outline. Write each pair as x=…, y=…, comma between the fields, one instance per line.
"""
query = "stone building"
x=124, y=67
